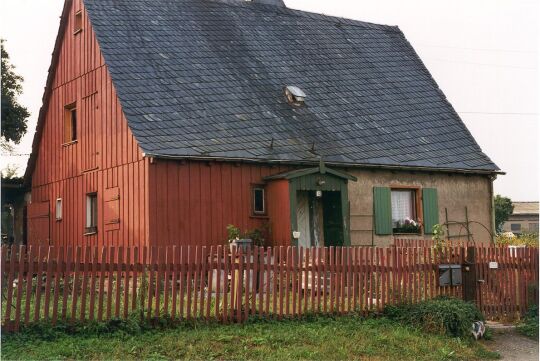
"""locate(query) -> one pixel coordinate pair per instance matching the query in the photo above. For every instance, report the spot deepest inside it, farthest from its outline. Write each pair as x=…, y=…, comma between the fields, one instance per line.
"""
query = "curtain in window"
x=402, y=205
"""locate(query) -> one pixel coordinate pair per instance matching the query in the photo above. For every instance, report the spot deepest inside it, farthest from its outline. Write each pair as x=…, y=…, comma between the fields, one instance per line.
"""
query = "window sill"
x=407, y=234
x=78, y=31
x=90, y=231
x=259, y=216
x=69, y=143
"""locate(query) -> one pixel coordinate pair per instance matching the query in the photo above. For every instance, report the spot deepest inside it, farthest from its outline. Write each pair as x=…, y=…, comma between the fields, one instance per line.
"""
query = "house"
x=524, y=218
x=165, y=121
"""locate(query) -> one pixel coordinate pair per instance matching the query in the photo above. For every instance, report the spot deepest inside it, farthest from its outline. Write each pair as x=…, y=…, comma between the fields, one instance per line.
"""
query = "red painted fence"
x=229, y=285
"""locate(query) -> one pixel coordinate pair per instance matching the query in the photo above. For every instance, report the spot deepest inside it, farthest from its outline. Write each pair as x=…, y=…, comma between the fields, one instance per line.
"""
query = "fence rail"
x=231, y=284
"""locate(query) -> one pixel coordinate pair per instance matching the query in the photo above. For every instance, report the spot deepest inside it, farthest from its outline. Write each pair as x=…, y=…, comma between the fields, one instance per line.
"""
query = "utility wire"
x=502, y=113
x=478, y=49
x=483, y=64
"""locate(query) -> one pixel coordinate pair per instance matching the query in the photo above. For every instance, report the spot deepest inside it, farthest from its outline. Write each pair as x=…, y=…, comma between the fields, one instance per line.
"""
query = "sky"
x=484, y=54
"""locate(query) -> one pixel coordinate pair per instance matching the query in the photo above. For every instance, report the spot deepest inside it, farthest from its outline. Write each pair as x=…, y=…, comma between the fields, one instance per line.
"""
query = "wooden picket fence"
x=227, y=284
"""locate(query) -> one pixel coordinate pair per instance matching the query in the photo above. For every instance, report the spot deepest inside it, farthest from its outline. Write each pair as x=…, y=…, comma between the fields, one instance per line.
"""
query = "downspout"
x=492, y=207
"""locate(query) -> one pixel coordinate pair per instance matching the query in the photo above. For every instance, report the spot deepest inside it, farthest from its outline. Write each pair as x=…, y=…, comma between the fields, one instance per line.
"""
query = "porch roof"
x=322, y=169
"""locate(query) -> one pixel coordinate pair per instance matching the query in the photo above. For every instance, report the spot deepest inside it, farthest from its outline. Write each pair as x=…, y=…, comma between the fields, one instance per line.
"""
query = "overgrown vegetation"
x=529, y=327
x=442, y=315
x=524, y=239
x=335, y=338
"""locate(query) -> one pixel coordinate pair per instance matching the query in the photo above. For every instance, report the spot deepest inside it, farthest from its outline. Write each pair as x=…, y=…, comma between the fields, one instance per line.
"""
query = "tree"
x=10, y=171
x=503, y=210
x=14, y=115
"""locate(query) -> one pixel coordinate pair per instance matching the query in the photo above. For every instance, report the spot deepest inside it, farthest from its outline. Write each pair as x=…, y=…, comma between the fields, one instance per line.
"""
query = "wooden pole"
x=469, y=276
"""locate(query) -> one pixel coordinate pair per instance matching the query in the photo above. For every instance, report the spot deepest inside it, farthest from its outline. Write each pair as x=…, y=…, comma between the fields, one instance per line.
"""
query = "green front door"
x=332, y=219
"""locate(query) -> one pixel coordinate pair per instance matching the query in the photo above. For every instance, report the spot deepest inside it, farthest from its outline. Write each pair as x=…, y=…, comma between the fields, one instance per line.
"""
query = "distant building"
x=13, y=211
x=524, y=219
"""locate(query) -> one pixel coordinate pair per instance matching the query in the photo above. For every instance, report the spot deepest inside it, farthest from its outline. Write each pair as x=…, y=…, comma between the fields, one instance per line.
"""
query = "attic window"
x=77, y=26
x=70, y=123
x=295, y=95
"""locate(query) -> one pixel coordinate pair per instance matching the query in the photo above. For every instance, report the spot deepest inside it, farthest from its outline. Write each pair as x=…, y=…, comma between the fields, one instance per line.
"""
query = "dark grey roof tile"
x=205, y=78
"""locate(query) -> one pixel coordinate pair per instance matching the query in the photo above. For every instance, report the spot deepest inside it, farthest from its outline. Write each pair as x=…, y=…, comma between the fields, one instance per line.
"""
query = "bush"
x=442, y=315
x=529, y=327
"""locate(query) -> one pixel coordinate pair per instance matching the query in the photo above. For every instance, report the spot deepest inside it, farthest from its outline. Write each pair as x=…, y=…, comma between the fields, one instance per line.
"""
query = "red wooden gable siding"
x=106, y=155
x=193, y=202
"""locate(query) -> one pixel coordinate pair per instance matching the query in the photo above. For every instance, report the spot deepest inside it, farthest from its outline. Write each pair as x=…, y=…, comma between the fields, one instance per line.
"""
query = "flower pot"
x=241, y=243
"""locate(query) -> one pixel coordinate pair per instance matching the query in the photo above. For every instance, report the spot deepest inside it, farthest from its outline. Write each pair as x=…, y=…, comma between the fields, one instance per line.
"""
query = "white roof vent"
x=295, y=95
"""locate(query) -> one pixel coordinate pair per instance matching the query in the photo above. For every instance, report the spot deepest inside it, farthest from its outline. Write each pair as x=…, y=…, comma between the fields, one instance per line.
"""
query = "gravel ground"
x=513, y=346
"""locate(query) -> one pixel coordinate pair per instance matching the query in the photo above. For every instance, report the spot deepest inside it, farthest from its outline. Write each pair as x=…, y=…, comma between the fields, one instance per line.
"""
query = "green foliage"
x=14, y=115
x=438, y=235
x=503, y=210
x=313, y=338
x=529, y=326
x=233, y=232
x=442, y=315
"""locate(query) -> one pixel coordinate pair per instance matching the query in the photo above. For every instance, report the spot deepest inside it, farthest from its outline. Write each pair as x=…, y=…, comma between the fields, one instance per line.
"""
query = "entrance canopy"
x=318, y=205
x=321, y=169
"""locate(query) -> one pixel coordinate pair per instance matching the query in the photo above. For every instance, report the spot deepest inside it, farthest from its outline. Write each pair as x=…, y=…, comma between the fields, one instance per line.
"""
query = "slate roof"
x=205, y=79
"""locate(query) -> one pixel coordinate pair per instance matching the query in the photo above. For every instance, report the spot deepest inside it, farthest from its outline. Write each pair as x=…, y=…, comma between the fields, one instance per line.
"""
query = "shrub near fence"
x=222, y=284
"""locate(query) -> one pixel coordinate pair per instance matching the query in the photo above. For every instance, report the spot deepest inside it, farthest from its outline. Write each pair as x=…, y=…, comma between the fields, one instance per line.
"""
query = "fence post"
x=469, y=276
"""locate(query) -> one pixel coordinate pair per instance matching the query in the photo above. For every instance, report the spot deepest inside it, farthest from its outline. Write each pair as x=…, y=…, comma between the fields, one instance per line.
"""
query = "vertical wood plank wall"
x=105, y=155
x=193, y=202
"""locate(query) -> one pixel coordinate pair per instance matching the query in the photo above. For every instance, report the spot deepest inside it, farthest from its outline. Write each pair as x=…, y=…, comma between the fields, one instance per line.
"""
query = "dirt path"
x=513, y=347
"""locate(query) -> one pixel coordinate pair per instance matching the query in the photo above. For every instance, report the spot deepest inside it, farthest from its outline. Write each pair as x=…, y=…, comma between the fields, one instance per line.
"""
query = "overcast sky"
x=482, y=53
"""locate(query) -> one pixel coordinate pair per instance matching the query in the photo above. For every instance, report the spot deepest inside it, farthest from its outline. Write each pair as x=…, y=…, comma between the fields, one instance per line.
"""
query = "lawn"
x=321, y=338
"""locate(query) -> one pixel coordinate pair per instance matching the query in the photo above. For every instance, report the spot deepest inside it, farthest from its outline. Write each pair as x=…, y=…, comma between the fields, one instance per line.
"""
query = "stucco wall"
x=455, y=192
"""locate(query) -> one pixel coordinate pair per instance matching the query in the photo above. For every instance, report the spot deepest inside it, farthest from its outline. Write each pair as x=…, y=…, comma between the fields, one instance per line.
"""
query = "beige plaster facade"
x=456, y=193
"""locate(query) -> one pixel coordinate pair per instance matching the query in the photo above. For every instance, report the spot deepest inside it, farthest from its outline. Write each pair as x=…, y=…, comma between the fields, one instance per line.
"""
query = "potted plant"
x=252, y=237
x=236, y=238
x=407, y=226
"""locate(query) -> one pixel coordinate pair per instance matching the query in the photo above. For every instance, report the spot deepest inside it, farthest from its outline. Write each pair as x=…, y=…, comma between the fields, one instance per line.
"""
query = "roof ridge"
x=297, y=12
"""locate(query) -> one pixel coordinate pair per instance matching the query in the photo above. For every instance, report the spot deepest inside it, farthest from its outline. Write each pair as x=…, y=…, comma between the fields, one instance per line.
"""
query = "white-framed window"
x=91, y=212
x=58, y=211
x=403, y=205
x=259, y=204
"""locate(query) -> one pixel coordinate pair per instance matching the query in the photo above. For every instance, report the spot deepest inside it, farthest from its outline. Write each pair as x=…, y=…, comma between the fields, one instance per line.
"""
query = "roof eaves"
x=490, y=172
x=47, y=94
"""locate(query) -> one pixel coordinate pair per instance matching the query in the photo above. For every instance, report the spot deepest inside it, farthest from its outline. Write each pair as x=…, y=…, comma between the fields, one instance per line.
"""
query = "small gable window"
x=70, y=123
x=59, y=209
x=91, y=213
x=77, y=24
x=259, y=206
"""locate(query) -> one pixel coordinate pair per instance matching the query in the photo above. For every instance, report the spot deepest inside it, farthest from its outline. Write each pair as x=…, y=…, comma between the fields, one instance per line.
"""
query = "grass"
x=314, y=338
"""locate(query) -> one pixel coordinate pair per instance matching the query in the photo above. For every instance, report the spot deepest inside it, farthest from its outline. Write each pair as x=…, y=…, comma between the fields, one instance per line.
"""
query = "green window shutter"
x=382, y=208
x=430, y=205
